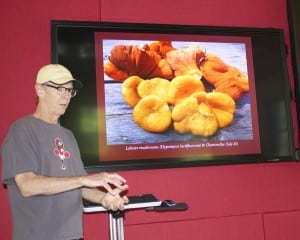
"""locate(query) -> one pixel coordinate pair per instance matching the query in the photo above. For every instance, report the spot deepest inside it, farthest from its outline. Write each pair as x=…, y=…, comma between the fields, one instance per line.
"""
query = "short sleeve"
x=18, y=154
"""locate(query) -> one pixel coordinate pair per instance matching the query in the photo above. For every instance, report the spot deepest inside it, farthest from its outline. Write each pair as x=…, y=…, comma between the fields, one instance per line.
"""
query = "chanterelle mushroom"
x=129, y=90
x=152, y=114
x=189, y=116
x=154, y=86
x=182, y=87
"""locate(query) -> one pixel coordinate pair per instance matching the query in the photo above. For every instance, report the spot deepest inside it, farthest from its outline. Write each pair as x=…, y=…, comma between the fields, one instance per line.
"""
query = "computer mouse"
x=167, y=203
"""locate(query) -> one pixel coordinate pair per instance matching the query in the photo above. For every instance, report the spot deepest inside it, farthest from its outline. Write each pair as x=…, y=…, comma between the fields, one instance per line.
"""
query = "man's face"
x=56, y=98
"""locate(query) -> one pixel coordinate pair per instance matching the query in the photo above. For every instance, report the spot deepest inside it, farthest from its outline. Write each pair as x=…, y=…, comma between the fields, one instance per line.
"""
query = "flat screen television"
x=163, y=96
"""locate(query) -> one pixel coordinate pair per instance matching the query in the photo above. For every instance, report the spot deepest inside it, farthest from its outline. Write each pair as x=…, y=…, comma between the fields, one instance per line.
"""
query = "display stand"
x=116, y=218
x=116, y=229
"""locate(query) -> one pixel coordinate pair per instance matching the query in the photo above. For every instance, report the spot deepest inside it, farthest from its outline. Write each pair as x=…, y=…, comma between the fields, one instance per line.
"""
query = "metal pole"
x=116, y=225
x=120, y=228
x=112, y=227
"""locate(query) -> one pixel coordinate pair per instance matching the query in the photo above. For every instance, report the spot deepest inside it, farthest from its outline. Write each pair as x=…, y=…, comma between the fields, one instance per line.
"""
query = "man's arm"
x=31, y=184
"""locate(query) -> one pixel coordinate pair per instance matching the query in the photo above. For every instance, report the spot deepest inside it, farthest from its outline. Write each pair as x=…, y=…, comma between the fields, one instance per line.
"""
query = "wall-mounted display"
x=159, y=96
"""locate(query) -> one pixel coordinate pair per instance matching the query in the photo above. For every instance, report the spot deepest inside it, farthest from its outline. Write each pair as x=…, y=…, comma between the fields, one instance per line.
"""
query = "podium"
x=116, y=218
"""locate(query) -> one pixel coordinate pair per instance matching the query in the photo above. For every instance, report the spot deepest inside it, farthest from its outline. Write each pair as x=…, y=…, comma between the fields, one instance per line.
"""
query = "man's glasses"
x=63, y=90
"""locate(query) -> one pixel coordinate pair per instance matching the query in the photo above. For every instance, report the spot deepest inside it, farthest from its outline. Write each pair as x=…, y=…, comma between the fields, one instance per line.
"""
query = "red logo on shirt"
x=60, y=151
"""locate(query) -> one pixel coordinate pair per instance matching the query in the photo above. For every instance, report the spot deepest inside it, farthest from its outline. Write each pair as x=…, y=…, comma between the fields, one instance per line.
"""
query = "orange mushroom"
x=152, y=114
x=186, y=61
x=182, y=87
x=161, y=47
x=163, y=70
x=222, y=105
x=154, y=86
x=223, y=77
x=129, y=90
x=191, y=117
x=133, y=60
x=114, y=72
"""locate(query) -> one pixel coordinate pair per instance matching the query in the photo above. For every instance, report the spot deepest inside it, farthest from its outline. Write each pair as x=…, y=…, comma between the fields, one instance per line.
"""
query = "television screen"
x=159, y=96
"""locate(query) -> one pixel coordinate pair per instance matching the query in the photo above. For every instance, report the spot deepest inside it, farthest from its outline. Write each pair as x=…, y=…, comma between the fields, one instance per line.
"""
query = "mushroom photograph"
x=172, y=91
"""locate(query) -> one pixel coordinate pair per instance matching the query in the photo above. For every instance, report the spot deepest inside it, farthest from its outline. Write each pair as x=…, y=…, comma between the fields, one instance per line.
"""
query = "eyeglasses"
x=63, y=90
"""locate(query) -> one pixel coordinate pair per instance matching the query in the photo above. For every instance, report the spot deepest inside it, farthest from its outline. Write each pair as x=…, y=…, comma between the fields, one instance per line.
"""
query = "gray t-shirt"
x=33, y=145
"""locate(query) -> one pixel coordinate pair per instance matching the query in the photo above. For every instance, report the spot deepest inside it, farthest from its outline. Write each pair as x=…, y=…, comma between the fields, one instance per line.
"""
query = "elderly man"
x=43, y=170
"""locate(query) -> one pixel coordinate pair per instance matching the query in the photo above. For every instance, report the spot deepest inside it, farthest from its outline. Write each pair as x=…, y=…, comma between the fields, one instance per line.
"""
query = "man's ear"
x=39, y=89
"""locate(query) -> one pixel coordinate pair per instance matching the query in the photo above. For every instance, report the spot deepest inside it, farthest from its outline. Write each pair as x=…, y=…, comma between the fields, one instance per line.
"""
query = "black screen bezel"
x=271, y=79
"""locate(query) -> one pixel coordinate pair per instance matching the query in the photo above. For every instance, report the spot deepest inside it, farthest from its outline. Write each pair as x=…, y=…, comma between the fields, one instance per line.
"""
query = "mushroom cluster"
x=165, y=87
x=158, y=102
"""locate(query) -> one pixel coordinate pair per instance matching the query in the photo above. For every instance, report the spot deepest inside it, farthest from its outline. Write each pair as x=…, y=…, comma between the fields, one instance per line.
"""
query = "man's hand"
x=106, y=180
x=114, y=201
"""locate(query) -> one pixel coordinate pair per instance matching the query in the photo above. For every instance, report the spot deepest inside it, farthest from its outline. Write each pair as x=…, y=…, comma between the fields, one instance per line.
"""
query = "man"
x=43, y=170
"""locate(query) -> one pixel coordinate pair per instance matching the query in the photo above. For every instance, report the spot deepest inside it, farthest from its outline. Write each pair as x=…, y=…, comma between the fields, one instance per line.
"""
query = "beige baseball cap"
x=56, y=74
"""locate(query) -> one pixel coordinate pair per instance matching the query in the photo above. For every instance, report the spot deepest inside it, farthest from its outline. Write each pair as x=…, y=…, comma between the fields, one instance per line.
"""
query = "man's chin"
x=62, y=111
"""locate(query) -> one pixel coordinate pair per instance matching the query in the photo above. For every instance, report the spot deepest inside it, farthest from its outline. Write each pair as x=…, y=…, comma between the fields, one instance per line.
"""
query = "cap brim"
x=76, y=83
